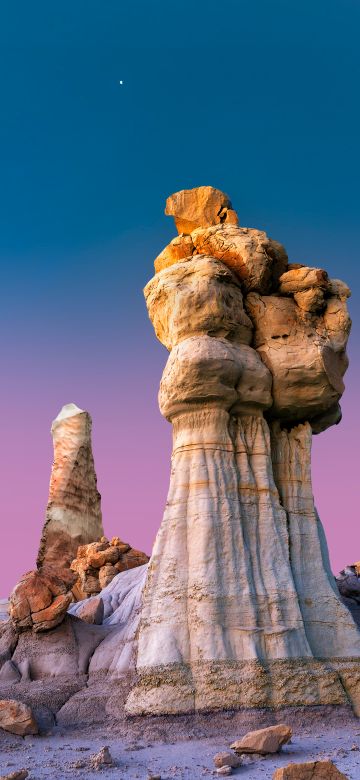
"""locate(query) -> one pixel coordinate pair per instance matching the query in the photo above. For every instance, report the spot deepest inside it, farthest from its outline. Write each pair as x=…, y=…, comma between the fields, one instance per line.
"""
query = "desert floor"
x=65, y=752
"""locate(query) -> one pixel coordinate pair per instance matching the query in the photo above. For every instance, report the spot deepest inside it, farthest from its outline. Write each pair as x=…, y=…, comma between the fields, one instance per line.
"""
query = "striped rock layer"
x=229, y=618
x=73, y=515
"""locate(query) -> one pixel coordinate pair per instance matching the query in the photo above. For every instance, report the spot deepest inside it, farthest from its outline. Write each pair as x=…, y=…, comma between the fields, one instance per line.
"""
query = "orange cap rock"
x=200, y=207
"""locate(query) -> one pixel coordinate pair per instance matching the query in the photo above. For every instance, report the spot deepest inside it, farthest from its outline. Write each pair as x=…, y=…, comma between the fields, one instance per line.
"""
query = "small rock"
x=20, y=775
x=309, y=770
x=102, y=759
x=224, y=771
x=17, y=718
x=154, y=777
x=263, y=741
x=354, y=747
x=227, y=759
x=92, y=611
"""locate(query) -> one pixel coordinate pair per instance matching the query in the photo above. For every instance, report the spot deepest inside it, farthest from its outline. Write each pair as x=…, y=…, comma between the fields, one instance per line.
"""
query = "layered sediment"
x=257, y=356
x=73, y=515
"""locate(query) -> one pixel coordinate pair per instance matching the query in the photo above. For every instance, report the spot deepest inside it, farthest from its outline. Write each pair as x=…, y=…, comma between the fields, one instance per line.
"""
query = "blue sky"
x=257, y=98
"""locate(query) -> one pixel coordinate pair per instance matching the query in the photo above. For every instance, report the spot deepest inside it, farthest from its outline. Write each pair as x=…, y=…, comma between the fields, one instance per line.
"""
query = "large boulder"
x=309, y=770
x=17, y=718
x=198, y=297
x=40, y=600
x=257, y=260
x=263, y=741
x=200, y=207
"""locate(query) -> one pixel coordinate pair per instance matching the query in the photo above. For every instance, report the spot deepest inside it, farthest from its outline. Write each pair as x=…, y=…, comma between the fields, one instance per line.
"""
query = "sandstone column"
x=226, y=619
x=220, y=604
x=73, y=514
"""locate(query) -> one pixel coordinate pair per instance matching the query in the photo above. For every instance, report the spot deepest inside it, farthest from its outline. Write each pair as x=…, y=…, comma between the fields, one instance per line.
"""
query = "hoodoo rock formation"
x=239, y=607
x=73, y=515
x=75, y=560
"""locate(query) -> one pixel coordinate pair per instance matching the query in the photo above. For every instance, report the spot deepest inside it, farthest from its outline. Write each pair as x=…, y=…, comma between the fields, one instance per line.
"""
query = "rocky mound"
x=98, y=563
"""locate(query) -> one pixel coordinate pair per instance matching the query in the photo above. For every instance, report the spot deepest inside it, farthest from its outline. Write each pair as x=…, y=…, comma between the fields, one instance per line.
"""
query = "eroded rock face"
x=73, y=515
x=306, y=354
x=122, y=601
x=195, y=298
x=98, y=563
x=200, y=207
x=227, y=620
x=40, y=600
x=256, y=259
x=179, y=248
x=17, y=718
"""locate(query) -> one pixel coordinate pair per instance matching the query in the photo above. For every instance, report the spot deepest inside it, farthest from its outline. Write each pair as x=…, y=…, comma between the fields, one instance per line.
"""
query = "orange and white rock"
x=73, y=515
x=200, y=207
x=40, y=599
x=225, y=621
x=98, y=563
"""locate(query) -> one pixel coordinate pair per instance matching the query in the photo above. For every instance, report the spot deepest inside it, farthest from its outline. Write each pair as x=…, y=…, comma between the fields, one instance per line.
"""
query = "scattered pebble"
x=102, y=759
x=227, y=759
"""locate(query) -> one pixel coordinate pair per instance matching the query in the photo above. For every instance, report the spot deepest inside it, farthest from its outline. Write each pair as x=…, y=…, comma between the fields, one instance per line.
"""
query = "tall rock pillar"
x=73, y=514
x=226, y=620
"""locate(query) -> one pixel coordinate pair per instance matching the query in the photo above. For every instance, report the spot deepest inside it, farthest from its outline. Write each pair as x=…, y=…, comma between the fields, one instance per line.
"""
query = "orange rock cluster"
x=98, y=563
x=40, y=599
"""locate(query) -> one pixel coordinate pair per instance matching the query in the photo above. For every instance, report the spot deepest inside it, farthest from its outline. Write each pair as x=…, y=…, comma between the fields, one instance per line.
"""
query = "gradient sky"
x=257, y=98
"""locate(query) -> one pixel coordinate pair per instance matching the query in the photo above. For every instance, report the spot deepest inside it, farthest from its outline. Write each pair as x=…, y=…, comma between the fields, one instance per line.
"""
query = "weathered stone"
x=102, y=759
x=92, y=611
x=40, y=599
x=214, y=631
x=122, y=603
x=63, y=652
x=339, y=289
x=178, y=249
x=200, y=207
x=21, y=774
x=106, y=574
x=309, y=770
x=217, y=372
x=99, y=562
x=257, y=260
x=312, y=300
x=17, y=718
x=329, y=626
x=198, y=297
x=224, y=771
x=263, y=741
x=227, y=759
x=8, y=640
x=301, y=279
x=73, y=515
x=305, y=354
